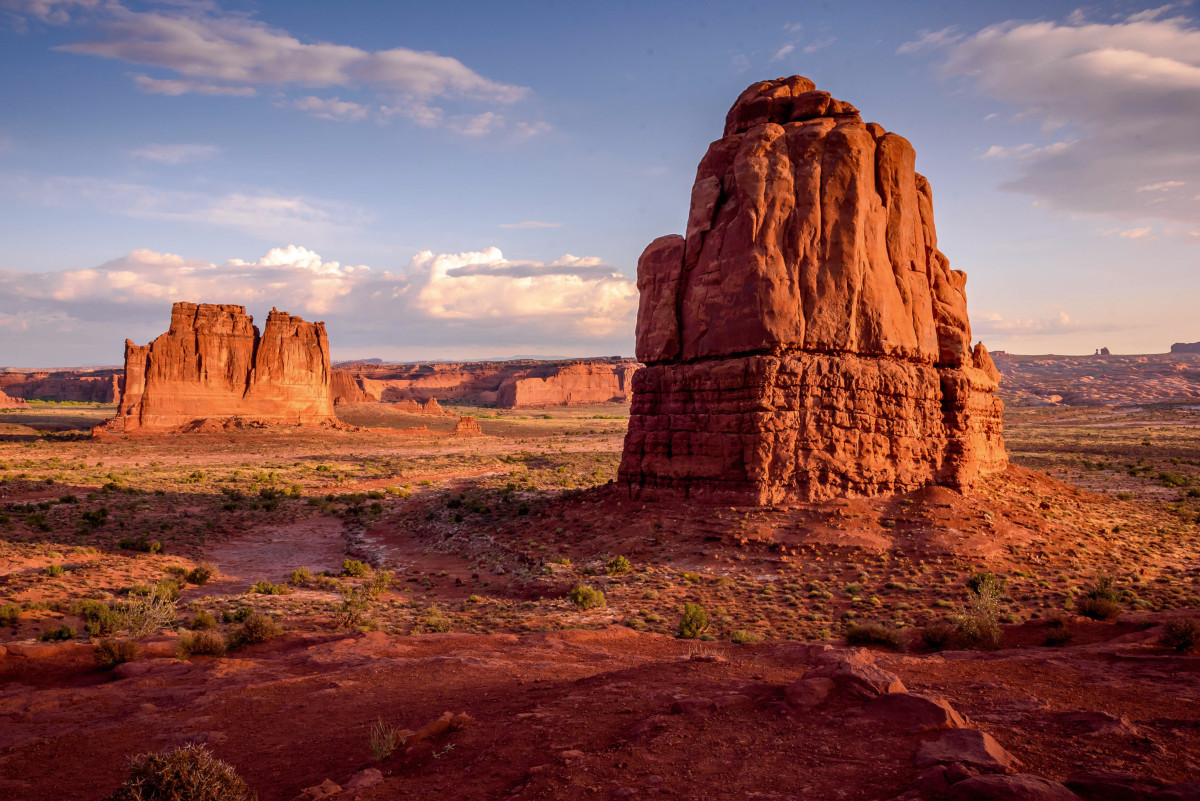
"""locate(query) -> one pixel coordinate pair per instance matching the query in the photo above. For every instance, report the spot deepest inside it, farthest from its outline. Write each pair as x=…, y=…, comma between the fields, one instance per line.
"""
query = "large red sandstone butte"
x=213, y=364
x=806, y=338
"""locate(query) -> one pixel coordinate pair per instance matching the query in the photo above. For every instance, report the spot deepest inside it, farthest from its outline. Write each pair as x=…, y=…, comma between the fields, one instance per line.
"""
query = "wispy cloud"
x=992, y=324
x=783, y=52
x=530, y=224
x=175, y=154
x=1122, y=99
x=256, y=212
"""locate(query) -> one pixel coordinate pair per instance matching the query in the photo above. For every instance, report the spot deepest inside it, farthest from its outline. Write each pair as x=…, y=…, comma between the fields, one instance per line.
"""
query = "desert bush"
x=355, y=568
x=383, y=740
x=98, y=618
x=693, y=622
x=587, y=597
x=264, y=587
x=352, y=611
x=255, y=629
x=742, y=636
x=169, y=588
x=1058, y=630
x=617, y=565
x=237, y=615
x=57, y=635
x=190, y=773
x=873, y=634
x=9, y=614
x=55, y=570
x=937, y=636
x=1181, y=634
x=110, y=653
x=1102, y=600
x=300, y=576
x=147, y=613
x=435, y=622
x=978, y=624
x=141, y=544
x=200, y=574
x=377, y=583
x=203, y=643
x=203, y=620
x=987, y=580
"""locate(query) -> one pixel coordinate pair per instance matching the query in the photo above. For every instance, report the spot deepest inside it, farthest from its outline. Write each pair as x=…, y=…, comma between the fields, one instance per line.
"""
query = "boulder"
x=854, y=676
x=969, y=747
x=1111, y=785
x=805, y=337
x=914, y=712
x=1017, y=787
x=212, y=364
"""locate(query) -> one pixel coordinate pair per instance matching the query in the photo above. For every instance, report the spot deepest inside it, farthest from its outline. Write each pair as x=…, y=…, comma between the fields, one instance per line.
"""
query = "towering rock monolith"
x=212, y=364
x=806, y=338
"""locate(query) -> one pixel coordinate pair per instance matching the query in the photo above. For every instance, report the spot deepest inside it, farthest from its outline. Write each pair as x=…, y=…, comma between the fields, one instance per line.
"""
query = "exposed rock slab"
x=806, y=337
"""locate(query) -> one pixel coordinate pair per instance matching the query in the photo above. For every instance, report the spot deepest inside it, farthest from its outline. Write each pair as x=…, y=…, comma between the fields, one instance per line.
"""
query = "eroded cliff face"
x=12, y=403
x=512, y=384
x=806, y=337
x=213, y=364
x=84, y=386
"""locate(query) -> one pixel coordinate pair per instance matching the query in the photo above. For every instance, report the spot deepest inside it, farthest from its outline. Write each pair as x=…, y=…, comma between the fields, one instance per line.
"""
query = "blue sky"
x=458, y=180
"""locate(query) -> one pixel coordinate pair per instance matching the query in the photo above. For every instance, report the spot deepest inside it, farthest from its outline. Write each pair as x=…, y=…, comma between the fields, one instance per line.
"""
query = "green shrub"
x=873, y=634
x=986, y=579
x=300, y=576
x=617, y=565
x=55, y=570
x=354, y=607
x=383, y=740
x=435, y=622
x=936, y=636
x=355, y=568
x=204, y=643
x=148, y=613
x=256, y=628
x=587, y=597
x=190, y=773
x=1181, y=634
x=264, y=587
x=693, y=622
x=203, y=620
x=98, y=618
x=1058, y=630
x=978, y=625
x=1098, y=608
x=9, y=613
x=110, y=653
x=57, y=635
x=200, y=574
x=377, y=583
x=237, y=615
x=742, y=636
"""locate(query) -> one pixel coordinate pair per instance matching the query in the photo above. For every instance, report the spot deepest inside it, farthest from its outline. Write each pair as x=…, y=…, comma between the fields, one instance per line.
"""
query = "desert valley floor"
x=512, y=621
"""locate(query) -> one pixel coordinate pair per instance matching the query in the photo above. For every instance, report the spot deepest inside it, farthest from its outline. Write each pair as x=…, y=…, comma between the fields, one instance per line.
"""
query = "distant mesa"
x=1186, y=347
x=520, y=384
x=806, y=338
x=82, y=386
x=212, y=365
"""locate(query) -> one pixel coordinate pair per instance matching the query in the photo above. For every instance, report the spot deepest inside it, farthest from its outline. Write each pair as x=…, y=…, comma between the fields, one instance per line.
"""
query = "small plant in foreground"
x=190, y=773
x=9, y=614
x=57, y=635
x=148, y=613
x=617, y=565
x=978, y=625
x=1058, y=630
x=257, y=628
x=110, y=653
x=264, y=587
x=200, y=574
x=587, y=597
x=1102, y=601
x=300, y=576
x=1181, y=634
x=384, y=740
x=355, y=568
x=694, y=621
x=203, y=620
x=873, y=634
x=742, y=636
x=937, y=636
x=55, y=570
x=203, y=643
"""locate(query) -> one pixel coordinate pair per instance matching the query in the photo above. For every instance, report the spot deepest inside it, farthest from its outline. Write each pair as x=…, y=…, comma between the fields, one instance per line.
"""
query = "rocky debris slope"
x=511, y=384
x=213, y=364
x=1098, y=380
x=806, y=337
x=82, y=386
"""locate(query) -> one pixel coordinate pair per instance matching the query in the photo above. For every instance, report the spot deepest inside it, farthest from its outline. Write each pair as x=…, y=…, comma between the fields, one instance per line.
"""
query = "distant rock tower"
x=806, y=338
x=213, y=364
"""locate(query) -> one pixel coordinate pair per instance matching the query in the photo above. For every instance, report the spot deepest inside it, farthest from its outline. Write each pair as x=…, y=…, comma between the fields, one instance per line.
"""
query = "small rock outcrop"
x=468, y=427
x=212, y=364
x=806, y=337
x=1186, y=347
x=12, y=403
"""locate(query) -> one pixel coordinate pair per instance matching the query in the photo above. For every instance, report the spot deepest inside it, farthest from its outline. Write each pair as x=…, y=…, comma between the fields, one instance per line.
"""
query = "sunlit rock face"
x=212, y=363
x=806, y=338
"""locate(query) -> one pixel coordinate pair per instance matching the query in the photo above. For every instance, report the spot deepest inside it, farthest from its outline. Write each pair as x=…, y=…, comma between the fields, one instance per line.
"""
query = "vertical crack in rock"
x=806, y=338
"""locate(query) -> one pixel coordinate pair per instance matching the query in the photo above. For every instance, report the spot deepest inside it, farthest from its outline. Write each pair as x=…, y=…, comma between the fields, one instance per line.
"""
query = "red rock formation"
x=12, y=403
x=83, y=386
x=467, y=426
x=806, y=337
x=213, y=364
x=512, y=384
